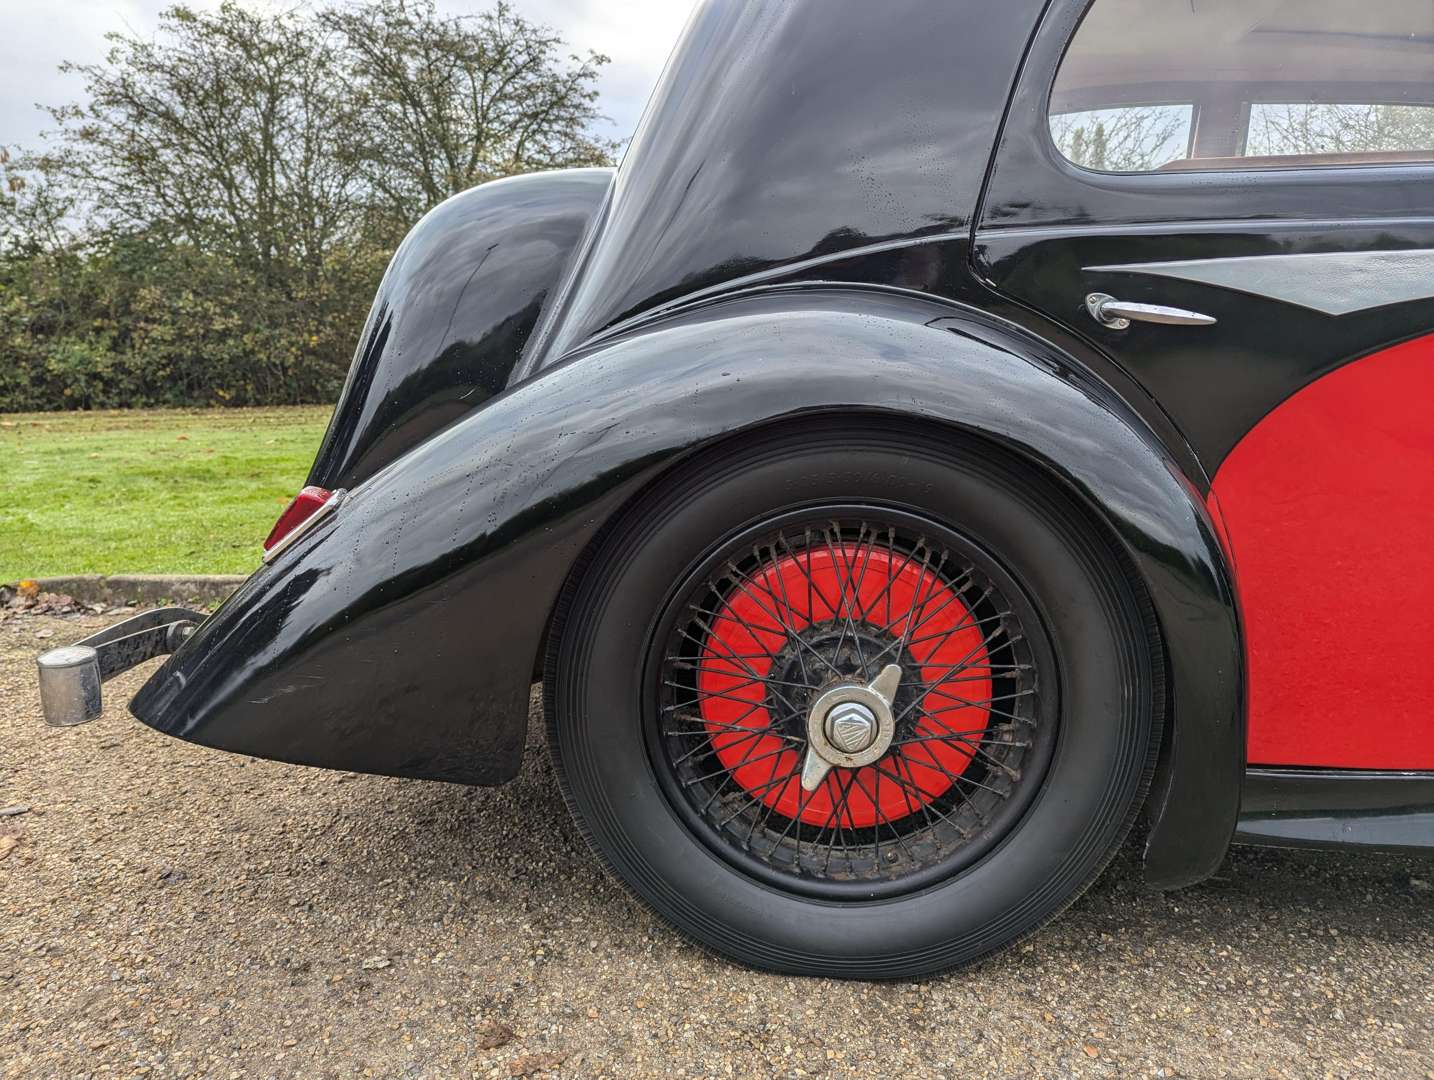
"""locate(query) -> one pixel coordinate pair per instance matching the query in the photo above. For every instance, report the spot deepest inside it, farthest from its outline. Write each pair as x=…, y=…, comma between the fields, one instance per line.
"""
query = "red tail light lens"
x=302, y=511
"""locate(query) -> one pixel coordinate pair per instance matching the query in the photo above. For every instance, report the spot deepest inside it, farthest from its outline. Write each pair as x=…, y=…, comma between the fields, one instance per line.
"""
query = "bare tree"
x=35, y=211
x=446, y=102
x=226, y=131
x=209, y=222
x=1134, y=139
x=1338, y=129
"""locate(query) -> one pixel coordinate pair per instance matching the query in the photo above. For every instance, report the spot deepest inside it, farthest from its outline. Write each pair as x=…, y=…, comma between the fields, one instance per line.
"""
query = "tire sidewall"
x=1104, y=744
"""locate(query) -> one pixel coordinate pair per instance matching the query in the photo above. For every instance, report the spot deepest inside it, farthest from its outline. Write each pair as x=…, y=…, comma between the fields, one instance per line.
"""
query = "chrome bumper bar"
x=71, y=676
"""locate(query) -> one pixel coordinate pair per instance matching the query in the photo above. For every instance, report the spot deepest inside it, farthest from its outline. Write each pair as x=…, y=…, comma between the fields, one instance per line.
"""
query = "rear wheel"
x=851, y=703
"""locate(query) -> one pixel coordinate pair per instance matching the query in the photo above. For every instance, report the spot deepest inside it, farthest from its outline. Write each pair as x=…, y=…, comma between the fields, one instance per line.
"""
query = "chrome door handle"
x=1119, y=314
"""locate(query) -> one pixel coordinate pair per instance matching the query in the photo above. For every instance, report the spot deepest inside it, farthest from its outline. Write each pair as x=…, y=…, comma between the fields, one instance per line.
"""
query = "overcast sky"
x=36, y=35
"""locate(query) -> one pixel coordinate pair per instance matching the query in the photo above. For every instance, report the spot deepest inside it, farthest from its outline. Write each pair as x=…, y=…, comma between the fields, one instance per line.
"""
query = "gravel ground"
x=167, y=910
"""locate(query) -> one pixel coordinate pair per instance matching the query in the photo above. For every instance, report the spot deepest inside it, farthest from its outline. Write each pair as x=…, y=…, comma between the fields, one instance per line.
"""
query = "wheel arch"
x=491, y=514
x=937, y=430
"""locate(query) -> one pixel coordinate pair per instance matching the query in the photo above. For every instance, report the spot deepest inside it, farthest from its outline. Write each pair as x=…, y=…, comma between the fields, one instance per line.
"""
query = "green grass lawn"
x=155, y=491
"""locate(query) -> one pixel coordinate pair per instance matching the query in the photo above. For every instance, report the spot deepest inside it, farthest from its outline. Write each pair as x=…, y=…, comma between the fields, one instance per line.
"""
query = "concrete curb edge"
x=143, y=588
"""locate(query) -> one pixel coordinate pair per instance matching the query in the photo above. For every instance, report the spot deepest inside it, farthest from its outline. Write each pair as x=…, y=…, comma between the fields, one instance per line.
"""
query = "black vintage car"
x=956, y=429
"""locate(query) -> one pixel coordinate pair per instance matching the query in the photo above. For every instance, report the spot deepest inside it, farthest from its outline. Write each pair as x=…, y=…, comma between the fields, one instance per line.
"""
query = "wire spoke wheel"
x=850, y=701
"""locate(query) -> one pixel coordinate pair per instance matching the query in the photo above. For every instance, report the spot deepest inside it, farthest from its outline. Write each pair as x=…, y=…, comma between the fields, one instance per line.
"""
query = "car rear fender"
x=401, y=636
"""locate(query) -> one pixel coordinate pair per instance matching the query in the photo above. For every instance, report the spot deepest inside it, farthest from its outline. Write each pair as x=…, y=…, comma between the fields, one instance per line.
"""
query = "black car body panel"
x=400, y=638
x=453, y=314
x=832, y=207
x=785, y=134
x=1046, y=223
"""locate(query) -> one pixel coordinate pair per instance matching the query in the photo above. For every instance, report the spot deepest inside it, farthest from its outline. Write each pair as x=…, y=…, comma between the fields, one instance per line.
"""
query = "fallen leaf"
x=491, y=1035
x=8, y=844
x=1091, y=1051
x=183, y=438
x=28, y=588
x=528, y=1064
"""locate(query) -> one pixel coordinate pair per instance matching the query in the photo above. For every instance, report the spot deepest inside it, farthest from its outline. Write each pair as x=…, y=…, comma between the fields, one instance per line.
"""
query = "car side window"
x=1181, y=85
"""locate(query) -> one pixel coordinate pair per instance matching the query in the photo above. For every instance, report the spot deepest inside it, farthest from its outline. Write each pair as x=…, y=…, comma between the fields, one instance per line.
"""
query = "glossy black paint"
x=791, y=146
x=1044, y=220
x=787, y=133
x=437, y=578
x=453, y=314
x=1319, y=808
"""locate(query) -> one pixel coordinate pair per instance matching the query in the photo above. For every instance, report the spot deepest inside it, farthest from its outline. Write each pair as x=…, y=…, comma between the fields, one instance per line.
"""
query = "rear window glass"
x=1135, y=138
x=1163, y=85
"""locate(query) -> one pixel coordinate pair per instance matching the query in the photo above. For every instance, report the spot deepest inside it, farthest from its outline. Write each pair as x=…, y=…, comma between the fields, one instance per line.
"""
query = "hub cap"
x=848, y=702
x=851, y=727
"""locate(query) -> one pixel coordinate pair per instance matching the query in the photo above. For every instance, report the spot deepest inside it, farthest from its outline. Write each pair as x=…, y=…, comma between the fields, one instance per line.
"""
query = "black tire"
x=1068, y=798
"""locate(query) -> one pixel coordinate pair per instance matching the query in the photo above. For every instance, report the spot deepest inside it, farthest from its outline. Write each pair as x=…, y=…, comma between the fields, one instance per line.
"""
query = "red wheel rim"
x=889, y=595
x=893, y=667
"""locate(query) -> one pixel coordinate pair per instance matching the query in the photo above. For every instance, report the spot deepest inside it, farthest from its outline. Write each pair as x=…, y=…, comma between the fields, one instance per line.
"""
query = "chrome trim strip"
x=1335, y=283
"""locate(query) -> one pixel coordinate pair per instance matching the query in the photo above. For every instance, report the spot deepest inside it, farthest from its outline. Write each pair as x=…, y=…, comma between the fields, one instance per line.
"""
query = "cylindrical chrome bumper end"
x=70, y=685
x=71, y=677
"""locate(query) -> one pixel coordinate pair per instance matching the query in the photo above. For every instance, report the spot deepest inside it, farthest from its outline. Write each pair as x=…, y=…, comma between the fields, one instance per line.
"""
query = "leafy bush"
x=136, y=323
x=209, y=224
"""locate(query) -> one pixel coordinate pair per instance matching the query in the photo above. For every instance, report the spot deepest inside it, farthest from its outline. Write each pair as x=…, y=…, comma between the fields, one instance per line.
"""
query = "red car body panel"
x=1329, y=507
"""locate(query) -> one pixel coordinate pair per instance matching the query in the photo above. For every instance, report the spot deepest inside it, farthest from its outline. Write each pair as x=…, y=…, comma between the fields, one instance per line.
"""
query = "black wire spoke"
x=749, y=669
x=977, y=748
x=881, y=817
x=736, y=721
x=959, y=702
x=760, y=821
x=812, y=587
x=955, y=778
x=803, y=800
x=717, y=694
x=946, y=634
x=910, y=790
x=792, y=635
x=751, y=629
x=686, y=663
x=767, y=680
x=771, y=779
x=855, y=598
x=892, y=577
x=875, y=797
x=786, y=599
x=748, y=586
x=729, y=655
x=940, y=635
x=998, y=669
x=741, y=765
x=911, y=785
x=733, y=728
x=930, y=583
x=761, y=791
x=844, y=579
x=955, y=595
x=961, y=665
x=831, y=603
x=966, y=740
x=1000, y=729
x=839, y=812
x=752, y=733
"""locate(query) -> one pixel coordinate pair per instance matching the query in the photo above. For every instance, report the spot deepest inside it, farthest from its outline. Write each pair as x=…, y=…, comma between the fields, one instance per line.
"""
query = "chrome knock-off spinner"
x=850, y=725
